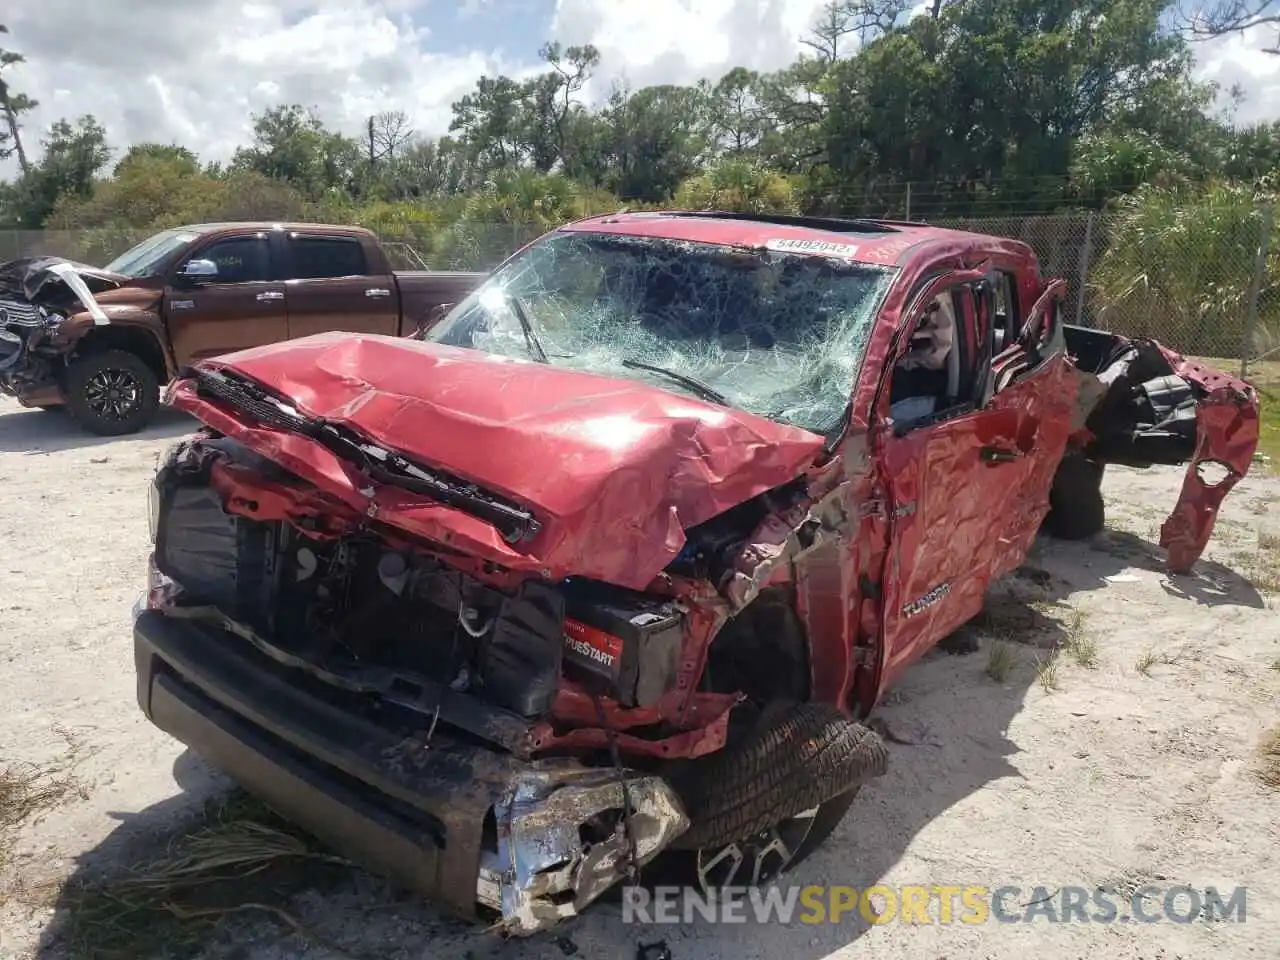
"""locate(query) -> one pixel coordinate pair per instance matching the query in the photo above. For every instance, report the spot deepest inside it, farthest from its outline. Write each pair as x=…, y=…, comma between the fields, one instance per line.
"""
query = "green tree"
x=489, y=121
x=1251, y=153
x=735, y=115
x=182, y=159
x=151, y=186
x=740, y=185
x=13, y=105
x=655, y=139
x=292, y=144
x=74, y=153
x=1107, y=164
x=1179, y=265
x=550, y=104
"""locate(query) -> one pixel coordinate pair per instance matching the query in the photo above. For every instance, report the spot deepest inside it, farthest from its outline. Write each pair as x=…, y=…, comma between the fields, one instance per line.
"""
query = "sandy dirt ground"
x=1136, y=769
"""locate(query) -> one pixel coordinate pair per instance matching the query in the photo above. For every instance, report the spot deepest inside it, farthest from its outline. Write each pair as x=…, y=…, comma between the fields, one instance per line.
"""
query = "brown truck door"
x=240, y=304
x=329, y=287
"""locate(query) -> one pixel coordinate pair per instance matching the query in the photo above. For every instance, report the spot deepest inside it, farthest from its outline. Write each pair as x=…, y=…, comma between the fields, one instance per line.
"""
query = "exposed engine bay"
x=436, y=660
x=370, y=618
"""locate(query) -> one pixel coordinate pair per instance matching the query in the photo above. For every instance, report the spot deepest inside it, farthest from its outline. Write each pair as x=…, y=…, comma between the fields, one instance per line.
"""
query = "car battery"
x=624, y=647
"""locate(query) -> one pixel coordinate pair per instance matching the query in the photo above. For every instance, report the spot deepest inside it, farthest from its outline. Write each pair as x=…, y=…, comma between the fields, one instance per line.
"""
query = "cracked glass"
x=778, y=334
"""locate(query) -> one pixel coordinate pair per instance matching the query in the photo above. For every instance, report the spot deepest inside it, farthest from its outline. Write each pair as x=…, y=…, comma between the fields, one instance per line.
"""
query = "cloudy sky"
x=193, y=71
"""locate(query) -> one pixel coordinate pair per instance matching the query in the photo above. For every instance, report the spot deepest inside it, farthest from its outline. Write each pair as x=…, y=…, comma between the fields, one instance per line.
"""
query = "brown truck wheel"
x=112, y=393
x=760, y=806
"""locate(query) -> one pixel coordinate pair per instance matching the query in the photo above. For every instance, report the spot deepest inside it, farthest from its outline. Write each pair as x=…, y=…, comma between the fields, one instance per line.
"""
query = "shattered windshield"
x=779, y=334
x=144, y=259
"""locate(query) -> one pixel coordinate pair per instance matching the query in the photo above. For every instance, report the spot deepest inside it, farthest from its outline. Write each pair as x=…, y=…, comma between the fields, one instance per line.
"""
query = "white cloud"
x=1240, y=60
x=193, y=71
x=681, y=41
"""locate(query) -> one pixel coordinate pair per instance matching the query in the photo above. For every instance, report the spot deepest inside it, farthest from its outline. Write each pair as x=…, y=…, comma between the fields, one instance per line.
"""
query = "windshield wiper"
x=697, y=386
x=514, y=522
x=530, y=338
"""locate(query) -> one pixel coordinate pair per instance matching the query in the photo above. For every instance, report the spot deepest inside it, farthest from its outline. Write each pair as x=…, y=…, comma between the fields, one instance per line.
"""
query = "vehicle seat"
x=953, y=375
x=922, y=373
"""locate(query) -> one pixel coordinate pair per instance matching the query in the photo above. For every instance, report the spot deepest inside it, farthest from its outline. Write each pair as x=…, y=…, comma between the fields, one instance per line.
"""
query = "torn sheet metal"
x=560, y=846
x=1227, y=426
x=25, y=280
x=70, y=275
x=1227, y=431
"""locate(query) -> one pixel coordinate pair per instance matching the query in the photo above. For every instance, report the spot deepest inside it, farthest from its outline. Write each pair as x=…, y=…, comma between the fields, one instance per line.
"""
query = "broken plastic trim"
x=548, y=866
x=514, y=523
x=75, y=283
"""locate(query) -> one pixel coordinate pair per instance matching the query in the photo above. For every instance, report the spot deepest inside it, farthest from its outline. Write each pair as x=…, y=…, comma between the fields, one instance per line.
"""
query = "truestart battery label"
x=593, y=645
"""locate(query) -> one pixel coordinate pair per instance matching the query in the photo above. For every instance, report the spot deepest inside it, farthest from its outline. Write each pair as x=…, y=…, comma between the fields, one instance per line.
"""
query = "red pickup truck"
x=102, y=341
x=612, y=562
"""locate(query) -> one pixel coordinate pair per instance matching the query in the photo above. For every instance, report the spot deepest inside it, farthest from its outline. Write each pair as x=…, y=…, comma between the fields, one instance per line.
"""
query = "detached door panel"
x=242, y=307
x=329, y=288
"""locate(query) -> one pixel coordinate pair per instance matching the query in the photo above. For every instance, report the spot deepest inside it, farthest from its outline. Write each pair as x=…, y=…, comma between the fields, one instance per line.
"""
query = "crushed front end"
x=396, y=705
x=37, y=295
x=461, y=616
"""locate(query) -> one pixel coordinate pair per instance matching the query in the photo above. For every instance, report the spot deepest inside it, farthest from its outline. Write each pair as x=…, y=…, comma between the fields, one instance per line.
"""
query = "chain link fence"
x=1205, y=281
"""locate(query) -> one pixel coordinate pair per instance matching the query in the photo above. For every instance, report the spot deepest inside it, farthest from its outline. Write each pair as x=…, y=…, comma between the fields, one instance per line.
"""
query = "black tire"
x=824, y=824
x=112, y=393
x=797, y=757
x=1076, y=509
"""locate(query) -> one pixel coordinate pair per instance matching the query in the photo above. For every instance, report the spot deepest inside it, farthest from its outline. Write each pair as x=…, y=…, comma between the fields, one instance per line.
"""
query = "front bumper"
x=25, y=373
x=476, y=830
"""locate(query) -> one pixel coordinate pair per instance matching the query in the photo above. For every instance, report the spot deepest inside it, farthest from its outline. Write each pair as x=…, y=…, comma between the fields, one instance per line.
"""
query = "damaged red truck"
x=610, y=564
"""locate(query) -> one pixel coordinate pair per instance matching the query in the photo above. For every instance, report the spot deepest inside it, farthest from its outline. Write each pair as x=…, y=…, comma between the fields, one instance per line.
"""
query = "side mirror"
x=197, y=270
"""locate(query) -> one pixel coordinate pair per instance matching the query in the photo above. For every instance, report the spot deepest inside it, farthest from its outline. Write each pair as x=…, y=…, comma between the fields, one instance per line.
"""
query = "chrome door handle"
x=377, y=292
x=270, y=295
x=994, y=455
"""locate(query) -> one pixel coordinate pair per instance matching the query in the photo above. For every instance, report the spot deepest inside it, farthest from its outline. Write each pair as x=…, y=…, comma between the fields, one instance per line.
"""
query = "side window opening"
x=1043, y=338
x=938, y=374
x=326, y=258
x=1005, y=318
x=239, y=259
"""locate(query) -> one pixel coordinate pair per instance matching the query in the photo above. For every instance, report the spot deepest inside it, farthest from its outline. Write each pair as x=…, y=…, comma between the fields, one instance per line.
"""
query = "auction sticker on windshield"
x=819, y=248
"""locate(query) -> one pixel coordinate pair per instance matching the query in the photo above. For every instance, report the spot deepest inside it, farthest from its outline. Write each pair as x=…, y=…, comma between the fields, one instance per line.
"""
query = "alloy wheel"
x=113, y=394
x=759, y=860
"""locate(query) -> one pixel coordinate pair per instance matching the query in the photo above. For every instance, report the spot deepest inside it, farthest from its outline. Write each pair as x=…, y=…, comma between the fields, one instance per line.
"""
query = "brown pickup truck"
x=101, y=342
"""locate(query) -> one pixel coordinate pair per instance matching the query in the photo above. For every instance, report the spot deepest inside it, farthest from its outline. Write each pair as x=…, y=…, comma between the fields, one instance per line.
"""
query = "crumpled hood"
x=25, y=278
x=613, y=469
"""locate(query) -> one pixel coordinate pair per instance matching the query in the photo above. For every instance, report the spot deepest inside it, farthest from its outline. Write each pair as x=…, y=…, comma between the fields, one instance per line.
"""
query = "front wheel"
x=112, y=393
x=759, y=807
